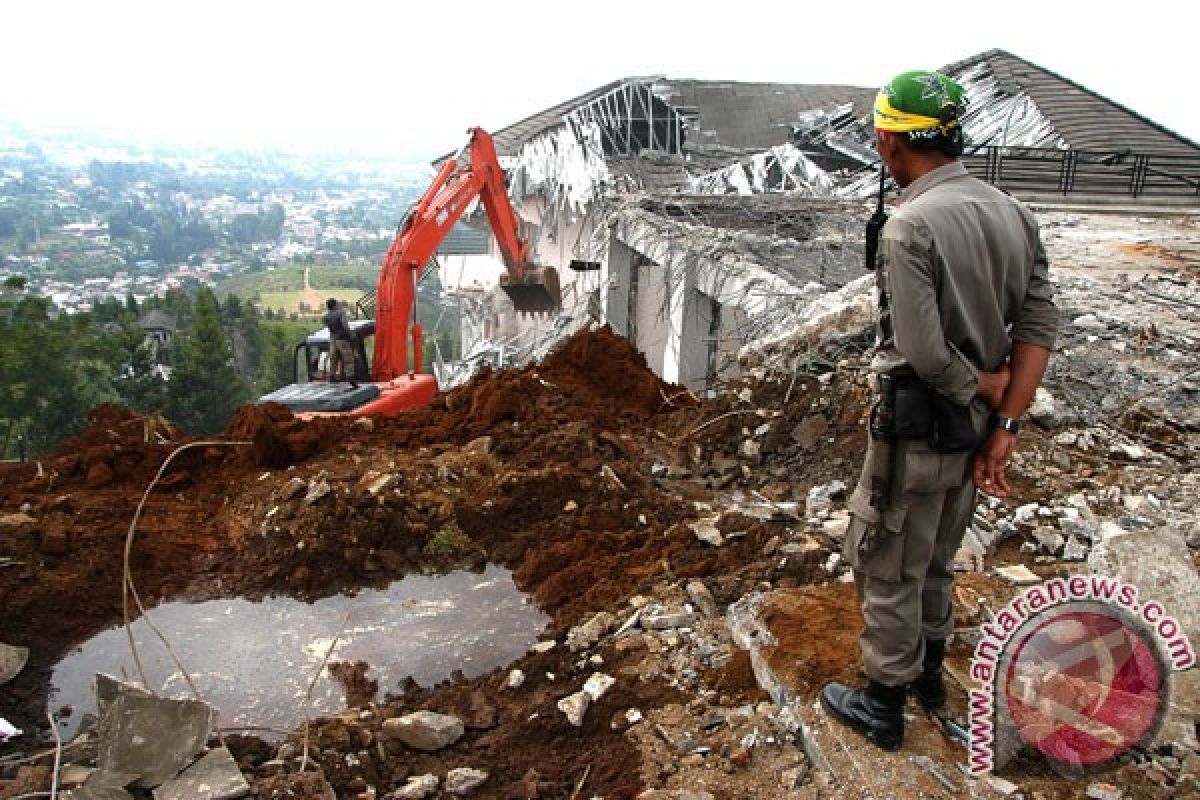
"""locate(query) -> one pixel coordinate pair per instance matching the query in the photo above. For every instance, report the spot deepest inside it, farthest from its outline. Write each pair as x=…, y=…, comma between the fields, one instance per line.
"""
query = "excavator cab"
x=535, y=290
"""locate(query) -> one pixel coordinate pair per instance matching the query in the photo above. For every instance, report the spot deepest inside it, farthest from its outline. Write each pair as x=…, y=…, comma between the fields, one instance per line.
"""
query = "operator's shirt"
x=339, y=328
x=962, y=275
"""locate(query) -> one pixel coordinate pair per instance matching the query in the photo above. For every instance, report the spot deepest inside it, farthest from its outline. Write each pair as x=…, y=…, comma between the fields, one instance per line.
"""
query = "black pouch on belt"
x=914, y=409
x=953, y=429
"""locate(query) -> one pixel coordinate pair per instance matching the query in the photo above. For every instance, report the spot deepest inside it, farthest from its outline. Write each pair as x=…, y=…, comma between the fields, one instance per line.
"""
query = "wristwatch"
x=1006, y=424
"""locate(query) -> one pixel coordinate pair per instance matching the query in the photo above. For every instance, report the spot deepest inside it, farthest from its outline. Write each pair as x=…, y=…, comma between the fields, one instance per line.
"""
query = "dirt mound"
x=277, y=438
x=603, y=370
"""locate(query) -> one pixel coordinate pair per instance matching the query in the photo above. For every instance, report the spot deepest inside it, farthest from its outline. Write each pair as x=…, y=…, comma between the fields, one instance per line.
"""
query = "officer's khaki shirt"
x=962, y=275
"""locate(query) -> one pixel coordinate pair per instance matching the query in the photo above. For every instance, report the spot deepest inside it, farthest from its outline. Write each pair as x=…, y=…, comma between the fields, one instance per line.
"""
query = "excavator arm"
x=456, y=185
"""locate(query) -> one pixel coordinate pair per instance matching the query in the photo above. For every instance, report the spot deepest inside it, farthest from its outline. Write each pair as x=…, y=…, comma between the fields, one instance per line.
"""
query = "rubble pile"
x=687, y=552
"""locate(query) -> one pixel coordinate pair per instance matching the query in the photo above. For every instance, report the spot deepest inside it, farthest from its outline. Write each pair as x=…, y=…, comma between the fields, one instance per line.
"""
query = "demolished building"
x=718, y=210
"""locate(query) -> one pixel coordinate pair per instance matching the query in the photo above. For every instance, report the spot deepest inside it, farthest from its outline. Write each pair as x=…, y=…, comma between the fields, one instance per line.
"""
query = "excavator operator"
x=341, y=344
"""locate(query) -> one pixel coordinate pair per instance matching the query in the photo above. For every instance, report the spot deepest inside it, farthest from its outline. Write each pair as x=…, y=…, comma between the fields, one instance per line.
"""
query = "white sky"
x=408, y=78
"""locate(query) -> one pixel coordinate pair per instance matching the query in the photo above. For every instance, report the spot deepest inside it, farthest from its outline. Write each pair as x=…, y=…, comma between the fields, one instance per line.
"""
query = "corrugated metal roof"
x=1084, y=119
x=754, y=116
x=750, y=116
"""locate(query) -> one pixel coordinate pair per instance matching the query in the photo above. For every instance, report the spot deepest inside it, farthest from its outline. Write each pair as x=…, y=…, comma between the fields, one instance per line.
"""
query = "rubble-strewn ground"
x=634, y=515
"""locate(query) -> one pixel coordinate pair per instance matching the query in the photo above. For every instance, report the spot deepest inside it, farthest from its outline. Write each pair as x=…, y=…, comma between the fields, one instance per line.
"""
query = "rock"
x=464, y=780
x=12, y=661
x=666, y=620
x=1104, y=791
x=584, y=636
x=1026, y=514
x=674, y=794
x=809, y=432
x=17, y=520
x=707, y=532
x=751, y=449
x=703, y=598
x=365, y=424
x=804, y=548
x=417, y=787
x=1049, y=540
x=428, y=731
x=544, y=647
x=598, y=685
x=1090, y=323
x=377, y=482
x=316, y=491
x=294, y=488
x=515, y=679
x=771, y=546
x=480, y=446
x=1129, y=452
x=1002, y=786
x=623, y=720
x=1074, y=550
x=574, y=706
x=1045, y=411
x=214, y=777
x=1019, y=574
x=570, y=506
x=820, y=498
x=836, y=528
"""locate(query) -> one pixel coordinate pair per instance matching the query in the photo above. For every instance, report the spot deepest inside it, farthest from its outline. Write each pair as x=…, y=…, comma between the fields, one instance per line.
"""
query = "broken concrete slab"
x=574, y=706
x=109, y=688
x=214, y=777
x=425, y=730
x=707, y=532
x=152, y=737
x=104, y=785
x=418, y=787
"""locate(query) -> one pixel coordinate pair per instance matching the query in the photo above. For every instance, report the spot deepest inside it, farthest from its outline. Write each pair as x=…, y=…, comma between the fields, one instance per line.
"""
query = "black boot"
x=928, y=688
x=876, y=712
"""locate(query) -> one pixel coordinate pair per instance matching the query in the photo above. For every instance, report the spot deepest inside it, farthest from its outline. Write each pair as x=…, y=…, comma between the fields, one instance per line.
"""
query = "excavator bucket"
x=537, y=292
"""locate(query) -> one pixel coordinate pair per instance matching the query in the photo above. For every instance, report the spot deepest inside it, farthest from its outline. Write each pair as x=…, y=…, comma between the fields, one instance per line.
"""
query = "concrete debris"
x=584, y=636
x=427, y=731
x=598, y=685
x=997, y=784
x=377, y=482
x=151, y=737
x=317, y=490
x=667, y=620
x=104, y=785
x=707, y=532
x=1018, y=574
x=515, y=679
x=214, y=777
x=464, y=780
x=1104, y=791
x=624, y=720
x=417, y=787
x=675, y=794
x=703, y=598
x=544, y=647
x=574, y=706
x=16, y=521
x=820, y=498
x=12, y=661
x=294, y=488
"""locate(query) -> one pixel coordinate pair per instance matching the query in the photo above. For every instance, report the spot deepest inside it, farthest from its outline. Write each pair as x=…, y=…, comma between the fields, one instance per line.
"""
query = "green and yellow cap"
x=919, y=101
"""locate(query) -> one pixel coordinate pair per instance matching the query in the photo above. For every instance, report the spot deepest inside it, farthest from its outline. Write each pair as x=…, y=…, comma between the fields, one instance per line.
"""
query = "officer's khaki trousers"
x=902, y=558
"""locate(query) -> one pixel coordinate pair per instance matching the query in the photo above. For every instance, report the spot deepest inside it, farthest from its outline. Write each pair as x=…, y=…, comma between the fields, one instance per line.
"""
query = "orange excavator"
x=392, y=384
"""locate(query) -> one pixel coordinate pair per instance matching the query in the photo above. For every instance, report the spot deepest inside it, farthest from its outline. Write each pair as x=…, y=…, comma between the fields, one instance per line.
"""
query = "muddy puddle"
x=255, y=660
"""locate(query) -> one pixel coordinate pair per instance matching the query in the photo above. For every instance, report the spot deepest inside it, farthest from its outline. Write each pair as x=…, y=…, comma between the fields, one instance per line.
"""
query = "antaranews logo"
x=1078, y=668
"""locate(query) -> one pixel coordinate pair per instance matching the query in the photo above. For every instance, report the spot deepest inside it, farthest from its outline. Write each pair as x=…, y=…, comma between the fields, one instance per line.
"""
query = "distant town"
x=82, y=221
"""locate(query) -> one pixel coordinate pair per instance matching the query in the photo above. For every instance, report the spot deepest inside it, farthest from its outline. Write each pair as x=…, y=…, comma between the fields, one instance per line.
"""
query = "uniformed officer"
x=966, y=325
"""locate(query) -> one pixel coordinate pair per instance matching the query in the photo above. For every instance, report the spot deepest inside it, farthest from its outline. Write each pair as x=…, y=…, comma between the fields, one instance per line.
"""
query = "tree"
x=137, y=378
x=15, y=283
x=205, y=387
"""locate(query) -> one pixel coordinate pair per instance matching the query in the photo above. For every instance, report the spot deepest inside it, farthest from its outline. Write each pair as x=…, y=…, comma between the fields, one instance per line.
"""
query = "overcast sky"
x=408, y=78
